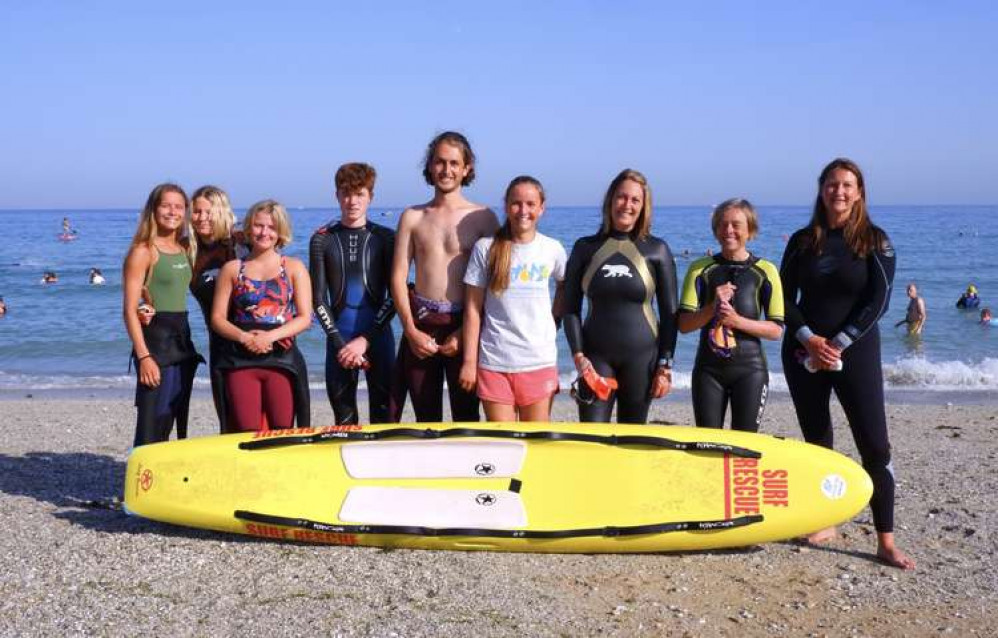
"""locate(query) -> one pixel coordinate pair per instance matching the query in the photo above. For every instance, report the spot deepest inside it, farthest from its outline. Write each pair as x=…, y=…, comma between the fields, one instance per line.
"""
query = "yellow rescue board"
x=516, y=489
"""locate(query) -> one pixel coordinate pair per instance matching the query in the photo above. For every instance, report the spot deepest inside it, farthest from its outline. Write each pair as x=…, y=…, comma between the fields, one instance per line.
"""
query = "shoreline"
x=894, y=396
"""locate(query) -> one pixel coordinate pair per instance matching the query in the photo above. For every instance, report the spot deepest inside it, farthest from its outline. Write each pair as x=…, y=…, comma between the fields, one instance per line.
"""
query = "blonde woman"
x=509, y=330
x=157, y=270
x=622, y=350
x=261, y=303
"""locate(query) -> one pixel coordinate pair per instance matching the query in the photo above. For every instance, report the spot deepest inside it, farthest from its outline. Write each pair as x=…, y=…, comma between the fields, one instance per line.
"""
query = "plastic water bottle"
x=810, y=367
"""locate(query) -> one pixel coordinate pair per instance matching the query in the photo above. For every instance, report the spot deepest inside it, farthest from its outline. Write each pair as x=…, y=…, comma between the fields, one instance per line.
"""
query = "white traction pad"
x=433, y=508
x=433, y=459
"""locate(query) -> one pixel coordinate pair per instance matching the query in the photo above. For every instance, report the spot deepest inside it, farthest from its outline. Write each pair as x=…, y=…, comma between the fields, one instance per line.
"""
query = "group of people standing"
x=480, y=313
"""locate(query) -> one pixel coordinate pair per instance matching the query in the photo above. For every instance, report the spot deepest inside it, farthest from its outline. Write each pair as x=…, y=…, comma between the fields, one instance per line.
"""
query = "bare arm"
x=220, y=305
x=137, y=264
x=474, y=300
x=690, y=321
x=419, y=342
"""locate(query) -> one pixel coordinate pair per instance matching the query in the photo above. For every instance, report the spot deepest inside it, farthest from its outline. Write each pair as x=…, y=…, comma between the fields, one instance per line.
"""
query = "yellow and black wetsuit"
x=742, y=376
x=621, y=336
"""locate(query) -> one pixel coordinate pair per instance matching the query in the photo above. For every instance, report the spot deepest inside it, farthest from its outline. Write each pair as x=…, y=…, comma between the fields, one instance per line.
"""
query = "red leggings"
x=253, y=392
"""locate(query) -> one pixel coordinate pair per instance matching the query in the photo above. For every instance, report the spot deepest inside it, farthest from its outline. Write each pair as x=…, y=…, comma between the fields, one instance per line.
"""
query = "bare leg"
x=499, y=411
x=888, y=553
x=539, y=412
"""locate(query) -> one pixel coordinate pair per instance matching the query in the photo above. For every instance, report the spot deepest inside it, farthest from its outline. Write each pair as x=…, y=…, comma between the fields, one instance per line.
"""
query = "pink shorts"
x=517, y=388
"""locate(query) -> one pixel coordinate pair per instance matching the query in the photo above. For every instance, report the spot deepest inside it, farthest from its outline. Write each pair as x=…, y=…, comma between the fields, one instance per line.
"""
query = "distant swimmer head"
x=986, y=315
x=627, y=205
x=49, y=277
x=354, y=192
x=971, y=289
x=912, y=290
x=734, y=223
x=443, y=167
x=211, y=214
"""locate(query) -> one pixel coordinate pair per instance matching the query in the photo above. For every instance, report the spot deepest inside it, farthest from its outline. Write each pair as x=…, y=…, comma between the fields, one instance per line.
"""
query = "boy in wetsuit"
x=438, y=236
x=350, y=263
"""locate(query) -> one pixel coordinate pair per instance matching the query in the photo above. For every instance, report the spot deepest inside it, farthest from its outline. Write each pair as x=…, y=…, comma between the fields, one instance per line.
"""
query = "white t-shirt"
x=518, y=331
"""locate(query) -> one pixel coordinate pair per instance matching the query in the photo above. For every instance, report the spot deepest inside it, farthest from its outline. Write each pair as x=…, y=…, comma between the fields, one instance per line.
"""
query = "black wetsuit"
x=841, y=296
x=210, y=259
x=168, y=340
x=742, y=377
x=621, y=335
x=350, y=269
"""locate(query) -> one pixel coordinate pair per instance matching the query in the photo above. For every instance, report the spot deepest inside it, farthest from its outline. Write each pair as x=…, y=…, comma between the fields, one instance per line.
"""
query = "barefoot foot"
x=895, y=558
x=822, y=537
x=891, y=555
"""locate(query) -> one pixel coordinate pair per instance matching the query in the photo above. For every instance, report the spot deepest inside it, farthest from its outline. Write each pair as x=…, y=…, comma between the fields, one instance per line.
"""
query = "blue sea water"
x=69, y=335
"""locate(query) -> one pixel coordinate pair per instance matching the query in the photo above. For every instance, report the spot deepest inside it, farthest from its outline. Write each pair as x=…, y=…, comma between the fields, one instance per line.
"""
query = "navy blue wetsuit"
x=350, y=269
x=621, y=336
x=840, y=296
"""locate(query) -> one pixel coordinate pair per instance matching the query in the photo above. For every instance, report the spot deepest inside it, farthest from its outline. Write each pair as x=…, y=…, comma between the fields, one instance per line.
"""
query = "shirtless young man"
x=438, y=236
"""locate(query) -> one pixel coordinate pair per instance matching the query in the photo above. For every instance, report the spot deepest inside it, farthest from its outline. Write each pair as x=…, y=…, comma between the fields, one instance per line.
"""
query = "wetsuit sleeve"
x=317, y=271
x=667, y=299
x=577, y=261
x=386, y=311
x=772, y=292
x=876, y=297
x=790, y=280
x=690, y=299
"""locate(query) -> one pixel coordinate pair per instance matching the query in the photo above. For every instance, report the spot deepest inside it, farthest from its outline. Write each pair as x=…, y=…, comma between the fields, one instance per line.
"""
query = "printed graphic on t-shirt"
x=530, y=272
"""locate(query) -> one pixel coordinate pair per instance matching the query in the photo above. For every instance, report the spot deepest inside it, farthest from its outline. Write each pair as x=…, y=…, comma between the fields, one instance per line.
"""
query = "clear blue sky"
x=102, y=100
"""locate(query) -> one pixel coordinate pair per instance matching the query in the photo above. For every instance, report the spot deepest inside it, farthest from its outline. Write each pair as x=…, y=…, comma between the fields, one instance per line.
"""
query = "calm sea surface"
x=69, y=335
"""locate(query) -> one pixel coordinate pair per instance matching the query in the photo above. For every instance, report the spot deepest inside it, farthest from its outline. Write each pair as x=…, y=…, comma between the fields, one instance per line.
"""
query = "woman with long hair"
x=261, y=303
x=157, y=271
x=837, y=274
x=510, y=352
x=622, y=351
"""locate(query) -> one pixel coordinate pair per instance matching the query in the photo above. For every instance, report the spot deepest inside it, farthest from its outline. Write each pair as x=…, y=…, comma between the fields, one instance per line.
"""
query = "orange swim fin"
x=600, y=385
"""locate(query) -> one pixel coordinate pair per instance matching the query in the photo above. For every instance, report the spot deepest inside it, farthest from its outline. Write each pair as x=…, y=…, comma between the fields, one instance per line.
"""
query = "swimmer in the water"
x=97, y=277
x=3, y=307
x=916, y=315
x=986, y=318
x=49, y=277
x=969, y=299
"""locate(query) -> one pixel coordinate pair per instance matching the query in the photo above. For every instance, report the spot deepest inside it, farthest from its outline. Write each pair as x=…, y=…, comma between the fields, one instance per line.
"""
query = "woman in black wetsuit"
x=725, y=297
x=837, y=274
x=619, y=271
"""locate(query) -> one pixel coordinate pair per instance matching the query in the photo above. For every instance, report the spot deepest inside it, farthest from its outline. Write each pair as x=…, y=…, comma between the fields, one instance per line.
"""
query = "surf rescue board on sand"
x=529, y=487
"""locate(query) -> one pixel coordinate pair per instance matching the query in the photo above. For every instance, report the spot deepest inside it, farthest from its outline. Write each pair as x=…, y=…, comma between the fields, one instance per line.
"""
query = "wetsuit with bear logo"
x=621, y=335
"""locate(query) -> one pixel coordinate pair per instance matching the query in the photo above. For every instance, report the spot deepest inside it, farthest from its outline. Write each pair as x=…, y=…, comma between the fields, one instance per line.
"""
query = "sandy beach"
x=75, y=565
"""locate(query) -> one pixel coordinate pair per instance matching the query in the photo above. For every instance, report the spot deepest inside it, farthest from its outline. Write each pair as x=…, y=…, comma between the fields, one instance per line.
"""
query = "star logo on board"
x=485, y=469
x=486, y=499
x=145, y=480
